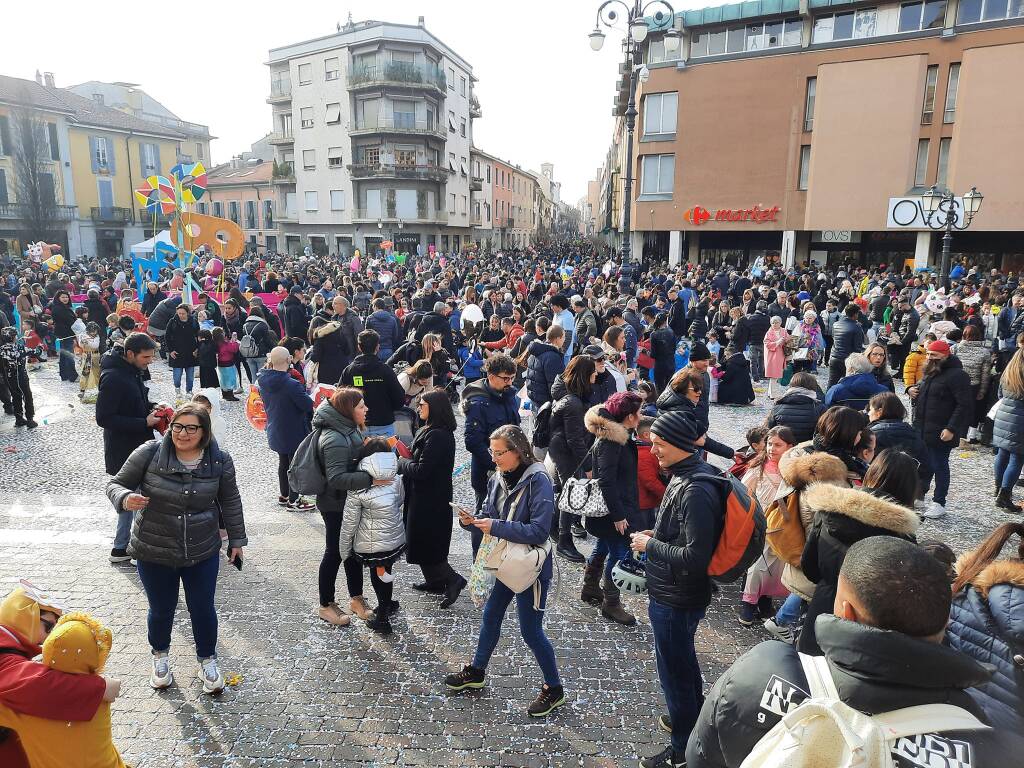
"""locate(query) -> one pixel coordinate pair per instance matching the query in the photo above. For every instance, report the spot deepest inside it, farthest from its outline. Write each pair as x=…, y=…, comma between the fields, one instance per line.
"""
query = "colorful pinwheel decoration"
x=157, y=195
x=191, y=178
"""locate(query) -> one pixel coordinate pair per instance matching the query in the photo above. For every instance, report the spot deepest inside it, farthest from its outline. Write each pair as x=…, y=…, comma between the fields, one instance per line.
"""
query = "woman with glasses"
x=878, y=357
x=177, y=488
x=518, y=509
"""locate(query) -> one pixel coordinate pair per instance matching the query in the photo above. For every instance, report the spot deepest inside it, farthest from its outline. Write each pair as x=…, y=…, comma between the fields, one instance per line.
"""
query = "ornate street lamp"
x=640, y=19
x=940, y=212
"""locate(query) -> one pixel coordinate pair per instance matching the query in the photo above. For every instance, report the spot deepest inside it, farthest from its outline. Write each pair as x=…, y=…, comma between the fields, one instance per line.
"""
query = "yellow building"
x=112, y=153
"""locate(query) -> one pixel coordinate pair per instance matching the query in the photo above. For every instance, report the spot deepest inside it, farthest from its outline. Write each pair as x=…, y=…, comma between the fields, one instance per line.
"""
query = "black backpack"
x=542, y=426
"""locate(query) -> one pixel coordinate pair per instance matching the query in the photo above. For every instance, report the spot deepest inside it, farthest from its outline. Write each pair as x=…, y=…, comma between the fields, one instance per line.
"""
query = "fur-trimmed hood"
x=997, y=572
x=800, y=466
x=861, y=506
x=603, y=426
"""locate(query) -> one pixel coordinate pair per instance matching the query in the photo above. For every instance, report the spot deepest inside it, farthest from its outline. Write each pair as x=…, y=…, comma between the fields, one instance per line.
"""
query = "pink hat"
x=939, y=346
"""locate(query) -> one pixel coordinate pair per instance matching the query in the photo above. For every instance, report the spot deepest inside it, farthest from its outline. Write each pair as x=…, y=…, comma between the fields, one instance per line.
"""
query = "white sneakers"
x=933, y=511
x=161, y=677
x=209, y=674
x=782, y=632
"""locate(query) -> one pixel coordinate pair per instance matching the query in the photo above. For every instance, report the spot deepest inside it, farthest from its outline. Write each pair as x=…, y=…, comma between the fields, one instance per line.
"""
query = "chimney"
x=135, y=99
x=48, y=79
x=422, y=21
x=39, y=77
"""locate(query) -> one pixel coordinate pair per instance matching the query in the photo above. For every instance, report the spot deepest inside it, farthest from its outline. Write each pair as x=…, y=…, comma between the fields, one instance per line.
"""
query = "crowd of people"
x=582, y=391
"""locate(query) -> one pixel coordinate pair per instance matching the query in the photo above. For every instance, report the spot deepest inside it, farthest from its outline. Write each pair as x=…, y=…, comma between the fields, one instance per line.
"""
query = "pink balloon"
x=214, y=267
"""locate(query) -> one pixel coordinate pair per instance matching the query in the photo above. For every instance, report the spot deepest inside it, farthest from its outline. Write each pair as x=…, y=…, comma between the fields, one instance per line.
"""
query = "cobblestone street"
x=311, y=694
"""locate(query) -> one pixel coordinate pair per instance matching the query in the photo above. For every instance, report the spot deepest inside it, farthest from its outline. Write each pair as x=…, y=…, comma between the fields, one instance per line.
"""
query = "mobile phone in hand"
x=237, y=562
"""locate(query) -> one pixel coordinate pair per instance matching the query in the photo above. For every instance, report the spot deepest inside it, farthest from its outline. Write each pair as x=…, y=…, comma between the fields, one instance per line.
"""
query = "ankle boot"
x=591, y=592
x=566, y=546
x=611, y=607
x=1005, y=501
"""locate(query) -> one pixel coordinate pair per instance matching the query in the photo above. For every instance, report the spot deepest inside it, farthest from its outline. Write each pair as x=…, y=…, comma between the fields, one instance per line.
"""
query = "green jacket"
x=339, y=446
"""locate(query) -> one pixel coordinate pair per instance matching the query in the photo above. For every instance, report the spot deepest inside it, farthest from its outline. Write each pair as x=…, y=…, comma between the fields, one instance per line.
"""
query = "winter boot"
x=591, y=592
x=611, y=607
x=1005, y=501
x=566, y=546
x=228, y=394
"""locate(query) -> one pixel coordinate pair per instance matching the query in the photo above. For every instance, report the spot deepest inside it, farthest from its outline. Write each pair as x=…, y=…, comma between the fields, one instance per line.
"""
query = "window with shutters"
x=335, y=158
x=462, y=127
x=51, y=135
x=202, y=207
x=149, y=166
x=312, y=203
x=250, y=214
x=305, y=74
x=268, y=214
x=463, y=166
x=333, y=113
x=331, y=68
x=218, y=209
x=102, y=158
x=309, y=159
x=451, y=78
x=233, y=211
x=337, y=200
x=451, y=122
x=371, y=155
x=306, y=117
x=405, y=158
x=451, y=163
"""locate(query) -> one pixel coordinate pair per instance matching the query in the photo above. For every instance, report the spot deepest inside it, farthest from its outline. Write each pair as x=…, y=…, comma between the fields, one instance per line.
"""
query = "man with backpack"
x=679, y=551
x=883, y=651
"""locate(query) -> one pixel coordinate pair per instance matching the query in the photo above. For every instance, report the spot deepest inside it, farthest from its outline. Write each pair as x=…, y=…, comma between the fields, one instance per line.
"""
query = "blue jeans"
x=66, y=361
x=388, y=430
x=123, y=533
x=612, y=549
x=530, y=625
x=189, y=377
x=254, y=364
x=939, y=456
x=161, y=585
x=1008, y=466
x=789, y=612
x=678, y=668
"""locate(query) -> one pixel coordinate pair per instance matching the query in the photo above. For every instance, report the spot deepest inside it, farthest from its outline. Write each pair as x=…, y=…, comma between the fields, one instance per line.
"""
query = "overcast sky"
x=546, y=97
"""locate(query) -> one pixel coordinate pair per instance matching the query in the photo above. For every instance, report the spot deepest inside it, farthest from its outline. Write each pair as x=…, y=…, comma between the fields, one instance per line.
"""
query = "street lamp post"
x=940, y=212
x=638, y=27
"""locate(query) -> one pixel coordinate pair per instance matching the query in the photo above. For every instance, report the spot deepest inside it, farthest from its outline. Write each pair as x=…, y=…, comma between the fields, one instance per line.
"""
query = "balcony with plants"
x=397, y=74
x=398, y=123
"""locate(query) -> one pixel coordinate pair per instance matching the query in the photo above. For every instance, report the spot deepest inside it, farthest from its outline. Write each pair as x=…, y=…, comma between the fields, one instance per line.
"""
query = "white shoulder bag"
x=516, y=565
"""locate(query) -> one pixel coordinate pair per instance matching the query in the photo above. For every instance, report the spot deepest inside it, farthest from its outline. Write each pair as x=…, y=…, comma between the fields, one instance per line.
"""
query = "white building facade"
x=372, y=129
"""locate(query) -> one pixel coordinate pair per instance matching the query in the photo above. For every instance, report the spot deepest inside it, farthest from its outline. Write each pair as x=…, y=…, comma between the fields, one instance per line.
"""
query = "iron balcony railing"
x=422, y=216
x=112, y=215
x=398, y=123
x=397, y=73
x=22, y=211
x=428, y=172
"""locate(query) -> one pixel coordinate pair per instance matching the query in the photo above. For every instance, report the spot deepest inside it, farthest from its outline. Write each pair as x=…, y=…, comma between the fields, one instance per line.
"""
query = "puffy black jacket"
x=741, y=333
x=382, y=393
x=182, y=338
x=122, y=406
x=434, y=322
x=758, y=323
x=987, y=623
x=386, y=326
x=1008, y=426
x=161, y=316
x=735, y=387
x=875, y=670
x=847, y=338
x=944, y=401
x=543, y=366
x=895, y=433
x=570, y=439
x=259, y=329
x=179, y=527
x=615, y=465
x=604, y=387
x=294, y=319
x=663, y=349
x=842, y=517
x=339, y=446
x=799, y=412
x=486, y=410
x=686, y=532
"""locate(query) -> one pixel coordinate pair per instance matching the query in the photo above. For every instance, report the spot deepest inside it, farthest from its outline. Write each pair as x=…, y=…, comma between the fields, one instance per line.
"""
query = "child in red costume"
x=26, y=617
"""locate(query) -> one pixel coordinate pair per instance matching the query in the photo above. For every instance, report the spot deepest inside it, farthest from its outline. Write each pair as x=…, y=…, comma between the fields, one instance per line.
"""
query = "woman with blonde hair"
x=1008, y=432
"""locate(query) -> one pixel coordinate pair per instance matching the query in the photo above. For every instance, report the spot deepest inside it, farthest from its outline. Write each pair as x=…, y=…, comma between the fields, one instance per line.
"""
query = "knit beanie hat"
x=940, y=346
x=678, y=428
x=699, y=351
x=622, y=405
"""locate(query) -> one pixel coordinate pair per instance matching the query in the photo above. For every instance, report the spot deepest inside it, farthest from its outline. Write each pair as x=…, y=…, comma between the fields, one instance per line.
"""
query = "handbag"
x=517, y=565
x=583, y=497
x=802, y=354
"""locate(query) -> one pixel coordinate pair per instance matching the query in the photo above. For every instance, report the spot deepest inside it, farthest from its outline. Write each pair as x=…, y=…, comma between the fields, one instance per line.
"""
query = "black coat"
x=842, y=517
x=122, y=406
x=294, y=320
x=1008, y=426
x=150, y=300
x=944, y=401
x=544, y=364
x=797, y=411
x=758, y=323
x=382, y=393
x=896, y=433
x=875, y=670
x=332, y=349
x=570, y=440
x=735, y=387
x=741, y=334
x=847, y=338
x=182, y=338
x=63, y=318
x=161, y=316
x=428, y=494
x=435, y=322
x=615, y=465
x=663, y=349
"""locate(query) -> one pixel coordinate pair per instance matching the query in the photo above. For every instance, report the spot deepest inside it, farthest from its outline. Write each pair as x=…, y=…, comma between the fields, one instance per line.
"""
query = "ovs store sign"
x=908, y=213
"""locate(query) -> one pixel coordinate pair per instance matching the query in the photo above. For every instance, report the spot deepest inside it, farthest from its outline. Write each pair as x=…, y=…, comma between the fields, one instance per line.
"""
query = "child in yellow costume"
x=78, y=645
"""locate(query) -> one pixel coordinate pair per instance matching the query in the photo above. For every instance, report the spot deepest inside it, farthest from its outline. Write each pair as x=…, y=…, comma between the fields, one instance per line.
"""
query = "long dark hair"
x=975, y=562
x=441, y=414
x=893, y=474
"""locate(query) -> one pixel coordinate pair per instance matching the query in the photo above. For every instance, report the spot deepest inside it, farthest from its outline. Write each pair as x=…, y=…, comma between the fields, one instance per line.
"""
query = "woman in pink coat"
x=774, y=354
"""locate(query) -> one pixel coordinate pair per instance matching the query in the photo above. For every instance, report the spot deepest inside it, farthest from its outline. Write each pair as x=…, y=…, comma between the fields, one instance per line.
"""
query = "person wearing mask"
x=943, y=409
x=847, y=338
x=800, y=408
x=182, y=484
x=1008, y=433
x=382, y=392
x=678, y=551
x=126, y=415
x=987, y=621
x=882, y=506
x=386, y=325
x=615, y=467
x=518, y=509
x=289, y=410
x=488, y=403
x=884, y=652
x=428, y=479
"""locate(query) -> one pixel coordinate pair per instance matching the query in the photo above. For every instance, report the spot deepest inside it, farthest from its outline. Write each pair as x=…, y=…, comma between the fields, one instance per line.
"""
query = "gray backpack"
x=306, y=474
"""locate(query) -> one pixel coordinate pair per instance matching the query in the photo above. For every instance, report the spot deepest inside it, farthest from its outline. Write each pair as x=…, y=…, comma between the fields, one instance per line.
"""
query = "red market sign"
x=757, y=215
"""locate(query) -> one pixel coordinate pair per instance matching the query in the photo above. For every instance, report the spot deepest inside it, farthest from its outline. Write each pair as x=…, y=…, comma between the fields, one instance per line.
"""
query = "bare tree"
x=34, y=179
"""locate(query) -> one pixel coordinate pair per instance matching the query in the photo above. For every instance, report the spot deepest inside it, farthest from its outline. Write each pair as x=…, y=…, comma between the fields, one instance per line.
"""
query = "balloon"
x=386, y=277
x=214, y=267
x=473, y=314
x=55, y=262
x=254, y=410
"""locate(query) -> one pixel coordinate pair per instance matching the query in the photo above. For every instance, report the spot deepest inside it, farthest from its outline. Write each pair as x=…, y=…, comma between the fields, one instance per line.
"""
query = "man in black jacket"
x=126, y=415
x=544, y=364
x=437, y=322
x=884, y=652
x=679, y=551
x=847, y=338
x=757, y=325
x=292, y=312
x=382, y=392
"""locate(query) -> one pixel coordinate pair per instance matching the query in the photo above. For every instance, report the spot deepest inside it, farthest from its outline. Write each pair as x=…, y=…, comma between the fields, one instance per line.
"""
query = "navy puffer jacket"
x=543, y=366
x=799, y=410
x=986, y=622
x=1008, y=425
